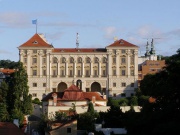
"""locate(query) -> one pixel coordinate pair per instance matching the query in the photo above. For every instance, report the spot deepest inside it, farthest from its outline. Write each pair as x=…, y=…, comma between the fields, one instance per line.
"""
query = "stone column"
x=99, y=68
x=117, y=63
x=82, y=67
x=128, y=62
x=91, y=68
x=75, y=68
x=28, y=63
x=66, y=67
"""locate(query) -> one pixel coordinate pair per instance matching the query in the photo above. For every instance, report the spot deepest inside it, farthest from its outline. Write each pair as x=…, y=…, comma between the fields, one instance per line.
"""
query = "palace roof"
x=36, y=41
x=121, y=43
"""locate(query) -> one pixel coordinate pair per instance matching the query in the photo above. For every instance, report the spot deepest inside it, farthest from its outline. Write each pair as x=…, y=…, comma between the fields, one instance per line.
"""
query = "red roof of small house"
x=121, y=43
x=36, y=41
x=8, y=128
x=7, y=71
x=73, y=93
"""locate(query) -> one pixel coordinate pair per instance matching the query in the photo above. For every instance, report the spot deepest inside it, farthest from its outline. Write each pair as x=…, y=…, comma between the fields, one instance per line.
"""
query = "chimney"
x=104, y=96
x=93, y=99
x=54, y=95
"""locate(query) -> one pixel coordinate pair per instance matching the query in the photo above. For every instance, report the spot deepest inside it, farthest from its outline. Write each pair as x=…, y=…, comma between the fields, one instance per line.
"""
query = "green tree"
x=163, y=116
x=134, y=101
x=19, y=99
x=90, y=107
x=8, y=64
x=4, y=115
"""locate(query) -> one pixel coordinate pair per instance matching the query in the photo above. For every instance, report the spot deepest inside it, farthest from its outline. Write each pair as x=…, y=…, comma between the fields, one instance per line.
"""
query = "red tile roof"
x=36, y=41
x=8, y=128
x=73, y=93
x=79, y=50
x=7, y=71
x=121, y=43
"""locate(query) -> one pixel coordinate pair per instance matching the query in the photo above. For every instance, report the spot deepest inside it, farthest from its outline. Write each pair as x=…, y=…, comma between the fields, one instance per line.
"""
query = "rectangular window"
x=95, y=73
x=34, y=60
x=123, y=60
x=34, y=94
x=114, y=94
x=123, y=72
x=44, y=72
x=79, y=72
x=54, y=73
x=34, y=72
x=114, y=72
x=132, y=60
x=34, y=51
x=123, y=94
x=123, y=84
x=132, y=84
x=87, y=89
x=68, y=130
x=44, y=61
x=123, y=51
x=87, y=73
x=34, y=84
x=25, y=60
x=62, y=73
x=104, y=72
x=114, y=60
x=44, y=84
x=70, y=72
x=114, y=84
x=114, y=51
x=132, y=72
x=54, y=89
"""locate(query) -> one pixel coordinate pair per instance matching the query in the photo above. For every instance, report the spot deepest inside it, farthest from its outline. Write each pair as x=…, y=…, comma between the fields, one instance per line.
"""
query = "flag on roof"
x=34, y=21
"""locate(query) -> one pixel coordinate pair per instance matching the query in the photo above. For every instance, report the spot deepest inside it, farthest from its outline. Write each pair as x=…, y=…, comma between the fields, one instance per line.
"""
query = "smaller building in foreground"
x=8, y=128
x=73, y=97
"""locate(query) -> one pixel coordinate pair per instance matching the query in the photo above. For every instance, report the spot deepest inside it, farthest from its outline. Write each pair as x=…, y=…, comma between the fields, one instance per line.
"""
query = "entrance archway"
x=62, y=86
x=95, y=87
x=79, y=84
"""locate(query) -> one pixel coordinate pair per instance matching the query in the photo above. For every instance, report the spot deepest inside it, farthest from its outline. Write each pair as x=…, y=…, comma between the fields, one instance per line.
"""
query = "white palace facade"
x=112, y=70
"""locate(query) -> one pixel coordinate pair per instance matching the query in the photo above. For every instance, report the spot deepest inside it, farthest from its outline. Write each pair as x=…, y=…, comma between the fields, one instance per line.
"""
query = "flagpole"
x=36, y=26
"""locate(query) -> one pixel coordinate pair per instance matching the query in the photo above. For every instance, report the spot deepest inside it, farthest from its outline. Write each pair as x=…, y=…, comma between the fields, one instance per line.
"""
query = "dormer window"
x=35, y=42
x=121, y=42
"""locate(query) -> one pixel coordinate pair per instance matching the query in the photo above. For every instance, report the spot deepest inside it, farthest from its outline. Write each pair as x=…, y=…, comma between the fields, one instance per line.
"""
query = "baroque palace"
x=112, y=70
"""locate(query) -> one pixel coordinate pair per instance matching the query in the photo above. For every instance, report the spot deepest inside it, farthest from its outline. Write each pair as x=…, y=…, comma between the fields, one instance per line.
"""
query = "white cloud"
x=13, y=19
x=110, y=32
x=5, y=52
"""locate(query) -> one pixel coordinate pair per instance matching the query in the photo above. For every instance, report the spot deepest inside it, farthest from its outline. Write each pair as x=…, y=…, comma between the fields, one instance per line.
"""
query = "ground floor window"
x=68, y=130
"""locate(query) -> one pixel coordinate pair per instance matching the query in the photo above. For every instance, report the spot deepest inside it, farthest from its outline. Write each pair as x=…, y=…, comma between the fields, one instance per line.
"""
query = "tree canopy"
x=163, y=115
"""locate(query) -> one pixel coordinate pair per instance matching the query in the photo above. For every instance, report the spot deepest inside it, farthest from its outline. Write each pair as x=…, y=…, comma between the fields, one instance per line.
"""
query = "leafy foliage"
x=8, y=64
x=90, y=108
x=162, y=116
x=60, y=116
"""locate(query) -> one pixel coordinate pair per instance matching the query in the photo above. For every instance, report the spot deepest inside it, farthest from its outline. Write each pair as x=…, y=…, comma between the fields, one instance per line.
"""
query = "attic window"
x=62, y=50
x=35, y=42
x=121, y=42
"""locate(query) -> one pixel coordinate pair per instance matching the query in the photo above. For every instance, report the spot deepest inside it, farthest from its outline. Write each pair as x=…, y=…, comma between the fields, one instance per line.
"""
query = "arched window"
x=96, y=60
x=71, y=60
x=79, y=60
x=55, y=60
x=88, y=60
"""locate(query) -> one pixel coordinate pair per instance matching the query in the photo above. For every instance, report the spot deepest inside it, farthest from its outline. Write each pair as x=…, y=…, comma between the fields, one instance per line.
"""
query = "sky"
x=98, y=22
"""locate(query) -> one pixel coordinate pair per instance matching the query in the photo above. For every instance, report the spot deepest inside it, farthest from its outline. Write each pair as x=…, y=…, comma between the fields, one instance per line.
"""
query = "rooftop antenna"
x=77, y=40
